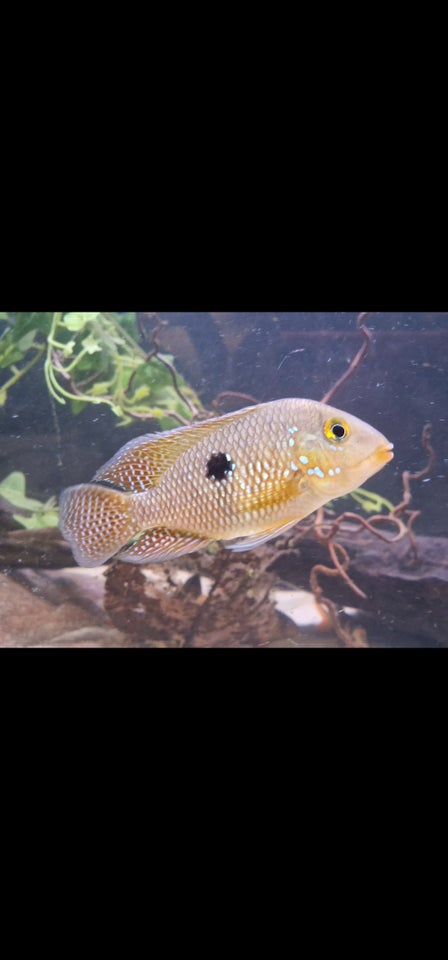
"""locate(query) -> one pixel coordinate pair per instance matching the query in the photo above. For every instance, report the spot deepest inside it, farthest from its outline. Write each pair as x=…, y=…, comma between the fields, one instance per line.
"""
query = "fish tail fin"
x=96, y=522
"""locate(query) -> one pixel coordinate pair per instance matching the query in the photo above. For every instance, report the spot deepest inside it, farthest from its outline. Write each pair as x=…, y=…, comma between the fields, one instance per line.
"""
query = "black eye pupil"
x=338, y=430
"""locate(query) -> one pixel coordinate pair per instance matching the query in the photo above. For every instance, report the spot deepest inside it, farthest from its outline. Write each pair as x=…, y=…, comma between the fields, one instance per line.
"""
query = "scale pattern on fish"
x=241, y=478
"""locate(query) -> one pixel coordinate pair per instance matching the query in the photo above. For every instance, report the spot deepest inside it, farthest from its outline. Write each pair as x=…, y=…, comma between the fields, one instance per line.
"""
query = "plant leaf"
x=90, y=344
x=77, y=321
x=12, y=489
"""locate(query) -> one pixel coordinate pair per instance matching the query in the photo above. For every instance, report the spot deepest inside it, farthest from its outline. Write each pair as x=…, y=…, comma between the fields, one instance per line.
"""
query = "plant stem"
x=18, y=374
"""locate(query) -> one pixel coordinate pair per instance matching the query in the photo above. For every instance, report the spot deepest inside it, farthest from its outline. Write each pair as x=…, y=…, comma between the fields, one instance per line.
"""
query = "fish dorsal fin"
x=256, y=539
x=141, y=462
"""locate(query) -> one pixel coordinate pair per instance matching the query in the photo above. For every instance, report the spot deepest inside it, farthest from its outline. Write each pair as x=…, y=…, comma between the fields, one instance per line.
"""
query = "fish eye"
x=336, y=429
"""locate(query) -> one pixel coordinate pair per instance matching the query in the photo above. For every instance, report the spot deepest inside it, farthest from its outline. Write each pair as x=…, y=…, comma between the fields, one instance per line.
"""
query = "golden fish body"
x=248, y=475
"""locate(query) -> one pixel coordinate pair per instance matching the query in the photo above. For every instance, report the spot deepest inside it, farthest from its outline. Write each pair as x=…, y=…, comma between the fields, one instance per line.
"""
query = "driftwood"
x=234, y=611
x=403, y=596
x=43, y=548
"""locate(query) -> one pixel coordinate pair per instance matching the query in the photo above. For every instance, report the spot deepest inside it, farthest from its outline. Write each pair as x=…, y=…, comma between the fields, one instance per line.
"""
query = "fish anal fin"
x=256, y=539
x=161, y=543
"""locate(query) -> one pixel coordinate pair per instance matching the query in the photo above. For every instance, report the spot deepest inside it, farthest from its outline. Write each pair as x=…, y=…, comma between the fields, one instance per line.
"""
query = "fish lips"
x=385, y=453
x=378, y=459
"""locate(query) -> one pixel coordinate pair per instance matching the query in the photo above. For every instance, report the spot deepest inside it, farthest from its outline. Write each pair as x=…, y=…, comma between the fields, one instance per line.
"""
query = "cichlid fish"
x=244, y=477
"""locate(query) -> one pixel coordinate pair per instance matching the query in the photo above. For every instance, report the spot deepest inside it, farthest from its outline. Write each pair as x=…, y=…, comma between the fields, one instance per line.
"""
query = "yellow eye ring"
x=336, y=429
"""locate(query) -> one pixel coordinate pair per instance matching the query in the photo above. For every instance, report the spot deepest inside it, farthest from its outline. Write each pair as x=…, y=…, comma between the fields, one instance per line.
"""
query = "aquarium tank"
x=263, y=480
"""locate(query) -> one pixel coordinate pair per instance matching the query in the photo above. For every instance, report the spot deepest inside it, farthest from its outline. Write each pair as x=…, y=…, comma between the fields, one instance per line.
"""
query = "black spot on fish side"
x=219, y=466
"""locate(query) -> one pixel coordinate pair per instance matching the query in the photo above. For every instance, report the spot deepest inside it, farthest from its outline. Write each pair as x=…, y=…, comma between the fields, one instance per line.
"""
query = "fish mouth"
x=381, y=455
x=384, y=453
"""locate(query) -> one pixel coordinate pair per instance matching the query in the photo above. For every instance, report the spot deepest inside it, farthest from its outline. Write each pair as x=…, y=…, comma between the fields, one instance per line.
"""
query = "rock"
x=38, y=607
x=88, y=637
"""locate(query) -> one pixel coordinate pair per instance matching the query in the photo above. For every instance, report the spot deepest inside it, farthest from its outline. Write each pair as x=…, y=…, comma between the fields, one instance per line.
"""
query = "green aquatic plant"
x=22, y=344
x=32, y=513
x=95, y=358
x=371, y=502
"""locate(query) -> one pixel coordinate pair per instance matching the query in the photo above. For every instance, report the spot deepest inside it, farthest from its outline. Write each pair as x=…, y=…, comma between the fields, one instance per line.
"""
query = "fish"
x=242, y=478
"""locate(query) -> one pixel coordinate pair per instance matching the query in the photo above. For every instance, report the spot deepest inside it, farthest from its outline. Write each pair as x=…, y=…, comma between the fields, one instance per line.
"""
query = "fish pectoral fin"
x=161, y=543
x=256, y=539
